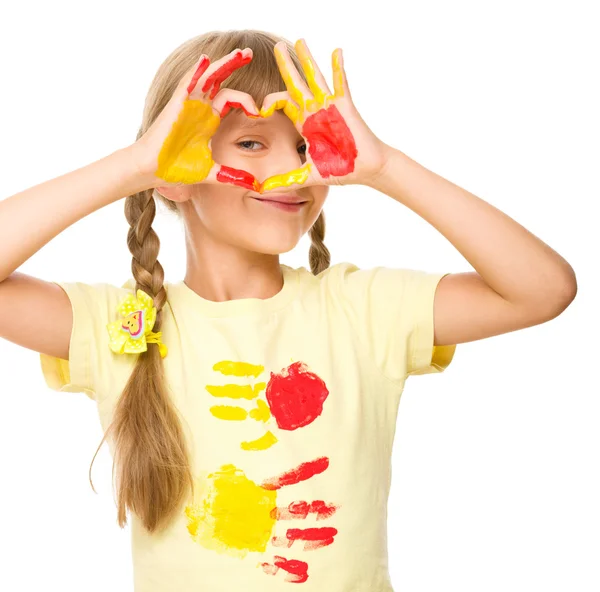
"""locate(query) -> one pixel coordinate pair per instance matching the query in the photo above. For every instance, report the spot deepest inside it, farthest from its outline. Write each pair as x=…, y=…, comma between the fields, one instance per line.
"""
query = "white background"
x=495, y=463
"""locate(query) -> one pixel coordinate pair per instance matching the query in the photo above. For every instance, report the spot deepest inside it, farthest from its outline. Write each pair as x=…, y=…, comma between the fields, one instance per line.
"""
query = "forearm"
x=513, y=262
x=33, y=217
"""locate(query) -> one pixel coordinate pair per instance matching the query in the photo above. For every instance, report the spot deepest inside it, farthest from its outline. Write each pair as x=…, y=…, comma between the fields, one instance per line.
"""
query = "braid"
x=151, y=455
x=318, y=256
x=144, y=245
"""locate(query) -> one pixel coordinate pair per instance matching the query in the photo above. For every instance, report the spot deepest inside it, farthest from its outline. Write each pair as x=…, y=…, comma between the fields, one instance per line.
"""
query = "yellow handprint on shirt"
x=234, y=515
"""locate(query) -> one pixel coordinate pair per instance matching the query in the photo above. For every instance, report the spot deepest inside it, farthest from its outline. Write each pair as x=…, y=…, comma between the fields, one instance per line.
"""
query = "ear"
x=178, y=193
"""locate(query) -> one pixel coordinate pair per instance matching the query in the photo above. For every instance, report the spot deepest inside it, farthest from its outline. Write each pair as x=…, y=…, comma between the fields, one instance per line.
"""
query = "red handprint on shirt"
x=294, y=397
x=237, y=516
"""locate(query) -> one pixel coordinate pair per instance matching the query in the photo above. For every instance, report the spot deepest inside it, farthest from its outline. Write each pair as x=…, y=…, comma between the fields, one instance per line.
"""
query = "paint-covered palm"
x=342, y=150
x=175, y=149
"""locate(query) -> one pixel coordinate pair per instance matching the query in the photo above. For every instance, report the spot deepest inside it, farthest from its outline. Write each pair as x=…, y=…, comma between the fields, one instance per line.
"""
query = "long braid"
x=151, y=456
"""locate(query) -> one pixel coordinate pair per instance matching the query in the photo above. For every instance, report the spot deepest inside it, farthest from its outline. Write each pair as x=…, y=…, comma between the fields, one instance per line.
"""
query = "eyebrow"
x=248, y=123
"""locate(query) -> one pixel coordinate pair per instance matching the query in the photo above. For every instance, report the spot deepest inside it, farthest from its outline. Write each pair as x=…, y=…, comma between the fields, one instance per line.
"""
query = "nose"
x=283, y=157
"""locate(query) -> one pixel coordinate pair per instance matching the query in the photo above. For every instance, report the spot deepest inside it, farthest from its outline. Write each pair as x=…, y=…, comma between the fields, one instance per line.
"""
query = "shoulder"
x=348, y=280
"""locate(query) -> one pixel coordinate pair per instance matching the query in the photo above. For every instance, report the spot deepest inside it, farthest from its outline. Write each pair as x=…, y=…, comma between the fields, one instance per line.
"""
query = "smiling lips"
x=285, y=198
x=287, y=202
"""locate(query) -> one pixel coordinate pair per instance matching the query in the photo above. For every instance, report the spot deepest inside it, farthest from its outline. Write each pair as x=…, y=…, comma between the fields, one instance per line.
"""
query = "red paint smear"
x=331, y=143
x=302, y=472
x=301, y=510
x=295, y=396
x=236, y=61
x=234, y=105
x=315, y=538
x=297, y=570
x=202, y=66
x=238, y=177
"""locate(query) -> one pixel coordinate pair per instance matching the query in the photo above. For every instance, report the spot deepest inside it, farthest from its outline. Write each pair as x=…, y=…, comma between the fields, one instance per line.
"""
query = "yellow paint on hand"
x=234, y=517
x=261, y=443
x=296, y=176
x=185, y=156
x=293, y=90
x=238, y=368
x=236, y=391
x=229, y=412
x=338, y=75
x=289, y=108
x=320, y=95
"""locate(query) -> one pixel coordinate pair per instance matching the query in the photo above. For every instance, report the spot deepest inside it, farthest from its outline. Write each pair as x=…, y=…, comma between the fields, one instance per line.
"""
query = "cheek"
x=320, y=193
x=219, y=206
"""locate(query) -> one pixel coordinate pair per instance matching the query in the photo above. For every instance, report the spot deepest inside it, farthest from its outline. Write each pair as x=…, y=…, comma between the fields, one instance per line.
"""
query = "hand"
x=342, y=150
x=175, y=150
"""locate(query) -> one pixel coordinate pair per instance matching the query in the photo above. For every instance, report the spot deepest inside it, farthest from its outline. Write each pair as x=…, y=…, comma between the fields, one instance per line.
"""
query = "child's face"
x=231, y=214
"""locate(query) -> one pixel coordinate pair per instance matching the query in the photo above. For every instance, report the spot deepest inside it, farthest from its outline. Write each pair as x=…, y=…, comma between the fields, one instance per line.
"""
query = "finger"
x=296, y=178
x=203, y=64
x=316, y=80
x=223, y=68
x=340, y=81
x=238, y=177
x=213, y=173
x=293, y=82
x=227, y=99
x=280, y=100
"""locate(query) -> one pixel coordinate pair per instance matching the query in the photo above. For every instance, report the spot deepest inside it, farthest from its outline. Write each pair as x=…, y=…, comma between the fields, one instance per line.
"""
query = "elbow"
x=563, y=294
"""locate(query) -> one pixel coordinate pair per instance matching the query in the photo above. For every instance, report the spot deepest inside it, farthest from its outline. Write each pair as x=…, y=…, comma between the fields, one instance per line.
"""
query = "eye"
x=244, y=145
x=247, y=142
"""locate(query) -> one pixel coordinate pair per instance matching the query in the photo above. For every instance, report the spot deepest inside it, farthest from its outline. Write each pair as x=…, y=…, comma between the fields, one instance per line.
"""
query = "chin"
x=273, y=247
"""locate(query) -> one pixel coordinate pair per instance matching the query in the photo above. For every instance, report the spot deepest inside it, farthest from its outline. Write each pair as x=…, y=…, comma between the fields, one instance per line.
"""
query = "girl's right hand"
x=174, y=150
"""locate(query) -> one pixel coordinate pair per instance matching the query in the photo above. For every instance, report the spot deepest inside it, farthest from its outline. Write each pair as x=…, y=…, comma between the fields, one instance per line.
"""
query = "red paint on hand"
x=235, y=105
x=295, y=396
x=331, y=143
x=238, y=177
x=236, y=61
x=202, y=66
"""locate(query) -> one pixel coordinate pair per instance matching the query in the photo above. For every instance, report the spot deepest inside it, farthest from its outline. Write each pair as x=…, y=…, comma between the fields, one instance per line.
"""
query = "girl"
x=250, y=408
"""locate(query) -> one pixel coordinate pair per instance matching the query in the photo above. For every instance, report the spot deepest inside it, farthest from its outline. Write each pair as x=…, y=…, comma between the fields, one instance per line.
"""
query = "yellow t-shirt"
x=290, y=406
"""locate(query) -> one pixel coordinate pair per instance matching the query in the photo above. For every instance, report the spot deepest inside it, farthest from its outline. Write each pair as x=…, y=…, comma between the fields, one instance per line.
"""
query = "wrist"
x=377, y=179
x=142, y=172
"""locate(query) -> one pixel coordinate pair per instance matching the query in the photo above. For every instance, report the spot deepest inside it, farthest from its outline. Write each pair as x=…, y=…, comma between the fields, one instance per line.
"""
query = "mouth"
x=285, y=198
x=283, y=201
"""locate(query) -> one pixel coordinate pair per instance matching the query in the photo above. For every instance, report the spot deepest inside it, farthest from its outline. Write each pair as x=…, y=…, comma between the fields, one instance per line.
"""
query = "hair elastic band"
x=133, y=331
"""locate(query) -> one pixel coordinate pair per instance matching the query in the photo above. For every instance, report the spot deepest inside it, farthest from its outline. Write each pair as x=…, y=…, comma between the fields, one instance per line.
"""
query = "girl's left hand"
x=342, y=150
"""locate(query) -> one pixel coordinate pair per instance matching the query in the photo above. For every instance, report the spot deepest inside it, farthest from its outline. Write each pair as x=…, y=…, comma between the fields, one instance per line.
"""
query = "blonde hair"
x=151, y=457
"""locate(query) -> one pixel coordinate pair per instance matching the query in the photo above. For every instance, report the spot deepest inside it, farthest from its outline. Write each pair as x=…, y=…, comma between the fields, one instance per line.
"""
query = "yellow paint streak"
x=320, y=95
x=261, y=443
x=262, y=411
x=338, y=75
x=234, y=517
x=185, y=156
x=293, y=90
x=285, y=180
x=238, y=368
x=236, y=391
x=229, y=412
x=289, y=108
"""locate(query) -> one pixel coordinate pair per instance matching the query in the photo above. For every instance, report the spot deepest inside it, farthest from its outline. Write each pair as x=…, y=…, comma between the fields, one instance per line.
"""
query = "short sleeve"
x=391, y=310
x=90, y=358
